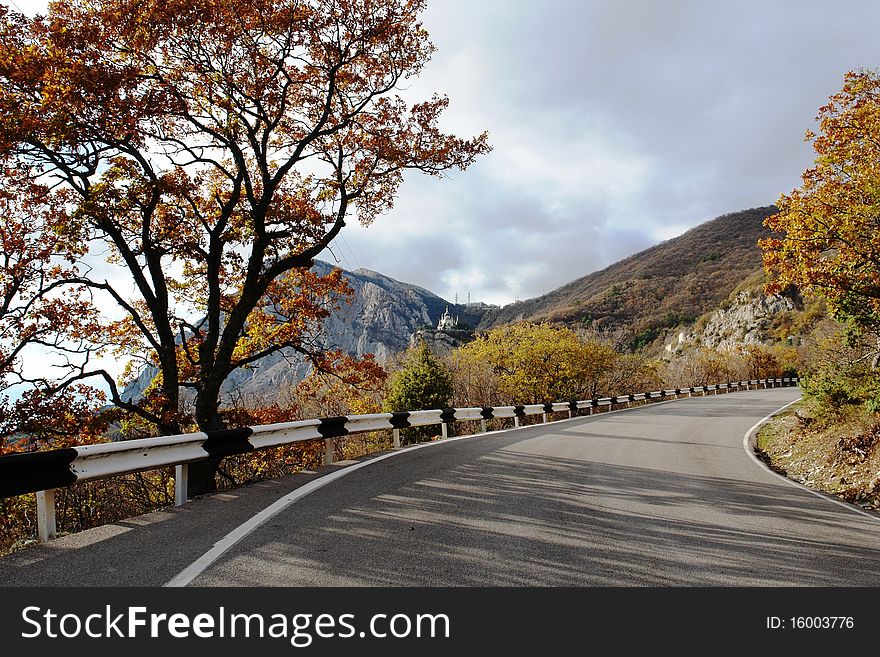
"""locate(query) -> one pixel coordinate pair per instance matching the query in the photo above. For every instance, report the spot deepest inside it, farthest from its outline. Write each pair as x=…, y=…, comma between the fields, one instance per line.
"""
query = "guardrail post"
x=483, y=426
x=329, y=445
x=569, y=414
x=545, y=417
x=46, y=528
x=396, y=438
x=181, y=484
x=516, y=420
x=444, y=429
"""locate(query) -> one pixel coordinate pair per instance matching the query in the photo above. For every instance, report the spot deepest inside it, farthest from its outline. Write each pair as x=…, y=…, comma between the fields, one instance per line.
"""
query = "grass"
x=837, y=454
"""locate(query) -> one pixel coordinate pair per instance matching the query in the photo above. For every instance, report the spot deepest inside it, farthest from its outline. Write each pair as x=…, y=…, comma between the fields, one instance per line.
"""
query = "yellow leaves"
x=831, y=243
x=535, y=363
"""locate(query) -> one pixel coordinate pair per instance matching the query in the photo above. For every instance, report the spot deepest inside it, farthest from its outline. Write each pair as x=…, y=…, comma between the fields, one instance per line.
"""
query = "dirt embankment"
x=838, y=455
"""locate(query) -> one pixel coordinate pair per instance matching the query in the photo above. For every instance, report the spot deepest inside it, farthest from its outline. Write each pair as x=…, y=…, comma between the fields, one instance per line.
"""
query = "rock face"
x=383, y=315
x=746, y=321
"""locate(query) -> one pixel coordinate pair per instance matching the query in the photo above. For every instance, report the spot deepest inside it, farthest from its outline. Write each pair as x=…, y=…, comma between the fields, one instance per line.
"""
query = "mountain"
x=663, y=287
x=382, y=316
x=666, y=286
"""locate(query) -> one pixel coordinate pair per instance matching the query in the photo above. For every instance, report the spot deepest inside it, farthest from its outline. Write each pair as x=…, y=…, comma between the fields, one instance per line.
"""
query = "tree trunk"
x=203, y=474
x=203, y=477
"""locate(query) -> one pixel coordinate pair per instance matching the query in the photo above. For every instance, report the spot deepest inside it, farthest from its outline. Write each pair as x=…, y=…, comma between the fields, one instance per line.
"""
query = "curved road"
x=660, y=495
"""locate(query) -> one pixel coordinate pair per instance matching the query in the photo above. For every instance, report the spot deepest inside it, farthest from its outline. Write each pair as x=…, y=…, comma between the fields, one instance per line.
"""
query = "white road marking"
x=200, y=565
x=197, y=567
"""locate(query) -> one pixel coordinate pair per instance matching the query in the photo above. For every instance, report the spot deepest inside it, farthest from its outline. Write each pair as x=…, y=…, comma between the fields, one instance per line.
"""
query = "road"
x=655, y=496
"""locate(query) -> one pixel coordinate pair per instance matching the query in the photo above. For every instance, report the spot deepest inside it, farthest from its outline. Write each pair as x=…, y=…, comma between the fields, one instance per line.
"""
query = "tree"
x=354, y=387
x=835, y=372
x=627, y=373
x=760, y=362
x=702, y=366
x=830, y=225
x=212, y=150
x=36, y=317
x=538, y=363
x=422, y=382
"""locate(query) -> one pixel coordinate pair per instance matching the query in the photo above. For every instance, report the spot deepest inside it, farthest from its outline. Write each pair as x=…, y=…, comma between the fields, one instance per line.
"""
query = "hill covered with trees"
x=660, y=288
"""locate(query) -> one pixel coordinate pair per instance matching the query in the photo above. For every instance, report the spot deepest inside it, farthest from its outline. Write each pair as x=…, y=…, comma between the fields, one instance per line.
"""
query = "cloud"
x=615, y=125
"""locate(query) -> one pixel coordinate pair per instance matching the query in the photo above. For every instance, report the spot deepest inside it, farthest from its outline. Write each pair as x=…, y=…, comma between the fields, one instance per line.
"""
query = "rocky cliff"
x=442, y=343
x=383, y=315
x=748, y=320
x=748, y=317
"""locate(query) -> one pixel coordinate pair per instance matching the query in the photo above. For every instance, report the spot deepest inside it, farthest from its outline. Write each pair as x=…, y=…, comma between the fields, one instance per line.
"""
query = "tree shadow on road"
x=508, y=518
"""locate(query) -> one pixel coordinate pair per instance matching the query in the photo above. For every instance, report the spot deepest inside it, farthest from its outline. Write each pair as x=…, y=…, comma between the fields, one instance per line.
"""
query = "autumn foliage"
x=531, y=363
x=193, y=157
x=830, y=225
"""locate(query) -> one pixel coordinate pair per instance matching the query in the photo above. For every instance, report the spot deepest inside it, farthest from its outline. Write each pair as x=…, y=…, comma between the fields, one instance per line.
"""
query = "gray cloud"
x=615, y=125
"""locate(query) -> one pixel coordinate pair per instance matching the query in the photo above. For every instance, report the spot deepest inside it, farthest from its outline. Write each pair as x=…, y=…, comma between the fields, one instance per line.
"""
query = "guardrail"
x=43, y=472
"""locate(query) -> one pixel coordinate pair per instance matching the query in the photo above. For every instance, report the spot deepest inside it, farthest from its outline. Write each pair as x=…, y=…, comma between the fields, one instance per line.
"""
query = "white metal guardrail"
x=43, y=472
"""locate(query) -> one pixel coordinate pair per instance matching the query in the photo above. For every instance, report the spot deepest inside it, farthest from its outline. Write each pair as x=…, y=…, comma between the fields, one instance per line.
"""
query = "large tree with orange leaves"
x=39, y=313
x=209, y=151
x=830, y=225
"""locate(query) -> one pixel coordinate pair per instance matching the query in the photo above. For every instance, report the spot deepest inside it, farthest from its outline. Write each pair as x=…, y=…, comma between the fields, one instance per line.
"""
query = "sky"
x=615, y=125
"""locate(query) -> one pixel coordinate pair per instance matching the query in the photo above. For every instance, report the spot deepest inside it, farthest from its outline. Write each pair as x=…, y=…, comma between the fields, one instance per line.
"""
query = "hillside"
x=663, y=287
x=660, y=288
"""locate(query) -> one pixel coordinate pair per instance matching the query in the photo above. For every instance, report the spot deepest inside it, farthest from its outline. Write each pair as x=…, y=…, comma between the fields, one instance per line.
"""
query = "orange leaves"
x=392, y=138
x=291, y=314
x=831, y=224
x=342, y=384
x=210, y=151
x=36, y=420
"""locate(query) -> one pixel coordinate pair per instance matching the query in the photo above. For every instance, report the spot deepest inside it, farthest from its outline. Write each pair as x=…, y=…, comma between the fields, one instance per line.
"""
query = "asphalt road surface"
x=659, y=495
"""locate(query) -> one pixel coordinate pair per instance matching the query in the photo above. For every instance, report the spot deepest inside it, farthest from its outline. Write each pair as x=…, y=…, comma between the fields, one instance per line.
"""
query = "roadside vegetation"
x=828, y=245
x=838, y=454
x=164, y=193
x=830, y=441
x=518, y=364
